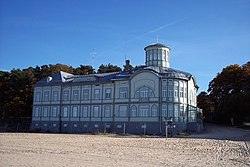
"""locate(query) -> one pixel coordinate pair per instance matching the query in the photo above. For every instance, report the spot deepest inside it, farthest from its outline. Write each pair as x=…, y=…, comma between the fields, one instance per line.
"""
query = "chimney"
x=127, y=65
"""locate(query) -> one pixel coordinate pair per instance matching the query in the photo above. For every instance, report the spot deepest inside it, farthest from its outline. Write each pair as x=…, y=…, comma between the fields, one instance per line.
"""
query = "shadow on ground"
x=219, y=132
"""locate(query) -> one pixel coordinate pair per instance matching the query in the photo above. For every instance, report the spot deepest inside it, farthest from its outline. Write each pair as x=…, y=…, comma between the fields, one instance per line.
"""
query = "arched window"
x=144, y=92
x=133, y=111
x=154, y=110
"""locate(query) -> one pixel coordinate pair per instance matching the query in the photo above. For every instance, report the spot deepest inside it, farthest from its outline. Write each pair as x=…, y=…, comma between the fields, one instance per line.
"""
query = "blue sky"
x=204, y=36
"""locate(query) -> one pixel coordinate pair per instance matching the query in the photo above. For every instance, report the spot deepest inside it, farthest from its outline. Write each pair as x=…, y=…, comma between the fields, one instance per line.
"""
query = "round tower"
x=157, y=55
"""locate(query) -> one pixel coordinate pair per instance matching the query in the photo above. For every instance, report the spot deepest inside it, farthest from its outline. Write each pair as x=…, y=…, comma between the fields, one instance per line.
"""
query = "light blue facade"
x=131, y=101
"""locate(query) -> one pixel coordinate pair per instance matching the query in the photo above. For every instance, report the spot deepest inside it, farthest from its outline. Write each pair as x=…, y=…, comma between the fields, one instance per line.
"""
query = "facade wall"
x=144, y=100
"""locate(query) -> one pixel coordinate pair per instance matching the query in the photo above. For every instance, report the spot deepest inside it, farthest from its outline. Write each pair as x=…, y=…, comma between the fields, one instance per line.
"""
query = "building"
x=133, y=101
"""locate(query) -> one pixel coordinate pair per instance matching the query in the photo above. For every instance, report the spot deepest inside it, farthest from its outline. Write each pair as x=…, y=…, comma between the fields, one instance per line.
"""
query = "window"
x=133, y=111
x=150, y=55
x=55, y=96
x=38, y=96
x=143, y=110
x=144, y=92
x=36, y=112
x=164, y=55
x=170, y=110
x=85, y=110
x=96, y=112
x=45, y=112
x=123, y=92
x=164, y=110
x=185, y=93
x=75, y=94
x=107, y=93
x=66, y=95
x=97, y=94
x=74, y=111
x=170, y=93
x=54, y=112
x=182, y=92
x=181, y=110
x=46, y=96
x=176, y=112
x=122, y=111
x=170, y=82
x=164, y=91
x=154, y=111
x=176, y=83
x=65, y=111
x=85, y=94
x=159, y=54
x=107, y=111
x=175, y=93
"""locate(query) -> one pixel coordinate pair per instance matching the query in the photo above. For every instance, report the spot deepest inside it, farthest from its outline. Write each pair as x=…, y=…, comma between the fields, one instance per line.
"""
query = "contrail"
x=146, y=33
x=156, y=30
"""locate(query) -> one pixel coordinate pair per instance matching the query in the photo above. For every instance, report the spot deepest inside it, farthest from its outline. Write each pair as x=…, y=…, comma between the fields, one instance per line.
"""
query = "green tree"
x=226, y=89
x=108, y=68
x=84, y=70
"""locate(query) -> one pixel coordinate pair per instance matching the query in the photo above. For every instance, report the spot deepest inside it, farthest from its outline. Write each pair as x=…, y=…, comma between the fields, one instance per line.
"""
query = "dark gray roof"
x=156, y=45
x=66, y=78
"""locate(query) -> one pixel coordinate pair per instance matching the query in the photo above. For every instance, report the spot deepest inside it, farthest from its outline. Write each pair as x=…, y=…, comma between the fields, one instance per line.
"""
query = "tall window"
x=164, y=55
x=45, y=111
x=143, y=110
x=170, y=93
x=74, y=111
x=144, y=92
x=85, y=111
x=96, y=94
x=55, y=96
x=108, y=93
x=123, y=92
x=176, y=112
x=182, y=110
x=154, y=112
x=164, y=88
x=38, y=96
x=65, y=111
x=176, y=93
x=54, y=111
x=182, y=92
x=107, y=111
x=170, y=110
x=85, y=94
x=36, y=112
x=164, y=110
x=75, y=94
x=46, y=96
x=96, y=112
x=133, y=111
x=123, y=111
x=66, y=95
x=170, y=82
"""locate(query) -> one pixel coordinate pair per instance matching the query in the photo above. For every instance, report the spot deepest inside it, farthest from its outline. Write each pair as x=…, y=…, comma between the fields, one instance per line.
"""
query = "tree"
x=227, y=88
x=108, y=68
x=204, y=103
x=84, y=70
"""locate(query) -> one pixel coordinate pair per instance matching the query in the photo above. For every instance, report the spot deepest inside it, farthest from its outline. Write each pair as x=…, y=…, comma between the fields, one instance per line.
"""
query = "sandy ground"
x=26, y=149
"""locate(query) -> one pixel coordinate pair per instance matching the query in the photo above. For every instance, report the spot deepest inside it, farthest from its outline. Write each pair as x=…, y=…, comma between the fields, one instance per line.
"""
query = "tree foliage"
x=228, y=94
x=108, y=68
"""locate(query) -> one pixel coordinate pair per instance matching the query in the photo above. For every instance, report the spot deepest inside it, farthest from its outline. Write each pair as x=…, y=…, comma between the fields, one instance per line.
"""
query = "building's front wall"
x=137, y=105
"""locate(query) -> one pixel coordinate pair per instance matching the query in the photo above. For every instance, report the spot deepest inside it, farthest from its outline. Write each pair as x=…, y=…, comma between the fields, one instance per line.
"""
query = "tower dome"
x=157, y=55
